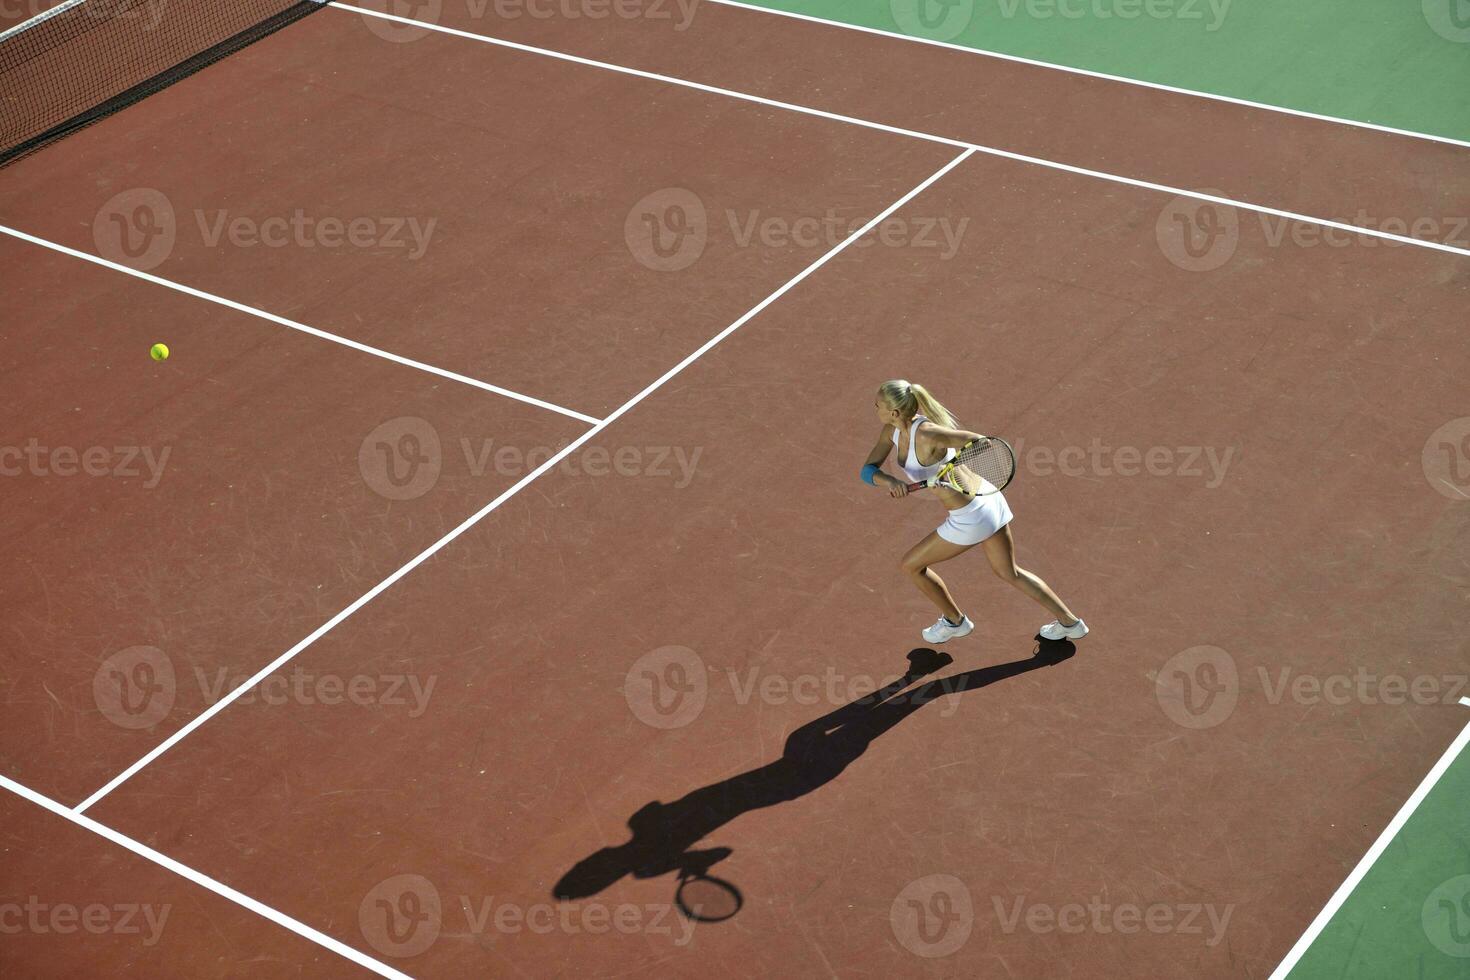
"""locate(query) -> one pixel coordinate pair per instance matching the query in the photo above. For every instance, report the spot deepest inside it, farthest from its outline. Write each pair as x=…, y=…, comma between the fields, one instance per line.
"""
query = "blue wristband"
x=869, y=472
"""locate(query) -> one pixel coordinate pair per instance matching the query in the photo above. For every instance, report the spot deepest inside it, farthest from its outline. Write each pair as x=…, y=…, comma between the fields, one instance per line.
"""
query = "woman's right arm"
x=879, y=453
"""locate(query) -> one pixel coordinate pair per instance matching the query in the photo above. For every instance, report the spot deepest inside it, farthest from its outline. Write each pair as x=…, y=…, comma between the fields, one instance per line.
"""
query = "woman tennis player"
x=921, y=429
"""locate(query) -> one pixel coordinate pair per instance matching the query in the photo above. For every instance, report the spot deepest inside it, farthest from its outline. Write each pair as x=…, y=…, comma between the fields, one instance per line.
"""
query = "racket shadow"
x=664, y=834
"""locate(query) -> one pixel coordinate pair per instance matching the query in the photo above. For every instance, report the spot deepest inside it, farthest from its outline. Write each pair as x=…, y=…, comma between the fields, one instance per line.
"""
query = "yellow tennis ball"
x=159, y=352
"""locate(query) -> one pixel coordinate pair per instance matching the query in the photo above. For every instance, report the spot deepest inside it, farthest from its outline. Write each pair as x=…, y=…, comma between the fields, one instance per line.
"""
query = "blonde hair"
x=914, y=399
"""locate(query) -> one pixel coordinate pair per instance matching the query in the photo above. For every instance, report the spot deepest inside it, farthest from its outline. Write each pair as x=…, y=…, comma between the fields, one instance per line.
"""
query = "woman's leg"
x=931, y=551
x=1000, y=548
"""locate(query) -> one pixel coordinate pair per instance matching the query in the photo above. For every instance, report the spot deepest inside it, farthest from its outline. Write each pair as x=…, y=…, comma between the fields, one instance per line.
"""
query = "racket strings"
x=991, y=461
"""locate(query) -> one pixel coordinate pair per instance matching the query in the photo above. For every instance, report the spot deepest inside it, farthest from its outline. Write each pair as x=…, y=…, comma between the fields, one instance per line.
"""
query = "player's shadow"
x=815, y=754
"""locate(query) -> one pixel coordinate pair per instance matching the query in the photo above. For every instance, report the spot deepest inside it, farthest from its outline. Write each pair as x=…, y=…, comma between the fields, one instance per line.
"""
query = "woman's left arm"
x=946, y=438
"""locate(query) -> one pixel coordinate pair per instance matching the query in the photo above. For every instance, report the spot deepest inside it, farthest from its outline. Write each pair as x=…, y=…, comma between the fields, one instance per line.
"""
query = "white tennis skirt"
x=977, y=520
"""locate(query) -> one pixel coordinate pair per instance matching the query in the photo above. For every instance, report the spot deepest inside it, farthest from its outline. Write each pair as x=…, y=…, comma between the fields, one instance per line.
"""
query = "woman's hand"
x=896, y=488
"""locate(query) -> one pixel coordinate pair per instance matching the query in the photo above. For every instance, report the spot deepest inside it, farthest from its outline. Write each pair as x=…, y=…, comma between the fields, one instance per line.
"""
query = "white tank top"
x=915, y=470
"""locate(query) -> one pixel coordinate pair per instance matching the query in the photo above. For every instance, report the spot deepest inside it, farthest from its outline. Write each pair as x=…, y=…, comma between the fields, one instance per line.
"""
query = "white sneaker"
x=1054, y=630
x=945, y=630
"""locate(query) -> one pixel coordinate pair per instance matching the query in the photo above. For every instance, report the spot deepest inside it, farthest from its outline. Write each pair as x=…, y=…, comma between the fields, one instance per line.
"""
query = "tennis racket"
x=705, y=899
x=990, y=457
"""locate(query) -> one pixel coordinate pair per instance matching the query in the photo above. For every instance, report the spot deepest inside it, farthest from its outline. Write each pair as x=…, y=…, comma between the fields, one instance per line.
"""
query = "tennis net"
x=85, y=59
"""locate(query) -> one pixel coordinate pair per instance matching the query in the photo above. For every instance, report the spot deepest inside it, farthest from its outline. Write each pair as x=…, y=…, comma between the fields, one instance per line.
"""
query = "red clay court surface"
x=609, y=636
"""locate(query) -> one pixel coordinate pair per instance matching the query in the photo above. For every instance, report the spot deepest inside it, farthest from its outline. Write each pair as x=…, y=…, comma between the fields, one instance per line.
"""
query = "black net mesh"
x=86, y=59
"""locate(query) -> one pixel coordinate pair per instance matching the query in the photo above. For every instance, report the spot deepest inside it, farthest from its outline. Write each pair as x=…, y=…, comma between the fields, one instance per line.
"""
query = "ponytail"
x=914, y=399
x=930, y=408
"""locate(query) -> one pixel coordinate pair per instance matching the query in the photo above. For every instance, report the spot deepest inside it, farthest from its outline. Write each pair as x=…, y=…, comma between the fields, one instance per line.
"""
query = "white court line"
x=292, y=324
x=43, y=16
x=203, y=880
x=524, y=482
x=652, y=76
x=1465, y=702
x=1374, y=853
x=900, y=131
x=1124, y=79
